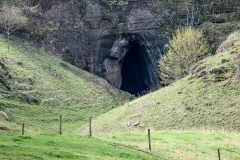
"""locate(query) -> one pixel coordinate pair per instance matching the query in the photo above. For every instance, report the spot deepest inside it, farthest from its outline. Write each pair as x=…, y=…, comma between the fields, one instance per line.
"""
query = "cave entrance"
x=135, y=75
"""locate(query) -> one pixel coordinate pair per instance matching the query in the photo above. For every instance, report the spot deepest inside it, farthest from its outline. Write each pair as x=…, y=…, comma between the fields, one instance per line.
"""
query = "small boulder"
x=5, y=115
x=136, y=123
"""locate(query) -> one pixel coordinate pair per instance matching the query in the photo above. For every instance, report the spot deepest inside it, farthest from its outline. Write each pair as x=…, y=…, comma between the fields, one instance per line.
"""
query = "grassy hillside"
x=37, y=87
x=209, y=98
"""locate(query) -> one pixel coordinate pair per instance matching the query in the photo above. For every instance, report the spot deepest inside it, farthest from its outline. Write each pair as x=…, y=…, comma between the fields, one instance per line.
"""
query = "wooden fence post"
x=23, y=128
x=90, y=126
x=60, y=127
x=149, y=140
x=219, y=154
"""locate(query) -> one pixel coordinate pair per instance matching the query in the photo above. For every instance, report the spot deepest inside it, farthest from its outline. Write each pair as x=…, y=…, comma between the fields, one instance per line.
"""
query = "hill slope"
x=208, y=98
x=36, y=88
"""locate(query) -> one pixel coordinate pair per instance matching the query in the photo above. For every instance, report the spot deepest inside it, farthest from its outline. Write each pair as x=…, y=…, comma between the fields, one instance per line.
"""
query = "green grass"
x=168, y=144
x=68, y=147
x=42, y=87
x=209, y=98
x=185, y=145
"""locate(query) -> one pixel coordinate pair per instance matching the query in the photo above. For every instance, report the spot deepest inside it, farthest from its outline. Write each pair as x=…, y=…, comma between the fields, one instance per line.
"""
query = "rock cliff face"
x=120, y=44
x=121, y=41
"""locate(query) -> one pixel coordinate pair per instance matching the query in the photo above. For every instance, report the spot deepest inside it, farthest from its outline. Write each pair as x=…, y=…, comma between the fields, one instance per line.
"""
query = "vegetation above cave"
x=187, y=47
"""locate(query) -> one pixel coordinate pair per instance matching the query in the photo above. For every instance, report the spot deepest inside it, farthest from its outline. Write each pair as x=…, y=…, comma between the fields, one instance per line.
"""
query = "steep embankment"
x=208, y=98
x=36, y=87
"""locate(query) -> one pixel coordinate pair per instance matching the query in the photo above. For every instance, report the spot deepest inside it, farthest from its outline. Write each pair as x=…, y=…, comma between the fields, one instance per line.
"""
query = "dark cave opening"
x=135, y=75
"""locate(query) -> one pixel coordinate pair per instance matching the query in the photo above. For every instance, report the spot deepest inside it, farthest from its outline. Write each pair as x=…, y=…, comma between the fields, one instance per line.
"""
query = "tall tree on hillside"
x=187, y=47
x=11, y=19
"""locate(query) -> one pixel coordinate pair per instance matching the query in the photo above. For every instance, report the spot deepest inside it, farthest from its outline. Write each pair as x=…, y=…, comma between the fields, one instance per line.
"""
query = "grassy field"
x=209, y=98
x=52, y=147
x=184, y=145
x=37, y=87
x=166, y=144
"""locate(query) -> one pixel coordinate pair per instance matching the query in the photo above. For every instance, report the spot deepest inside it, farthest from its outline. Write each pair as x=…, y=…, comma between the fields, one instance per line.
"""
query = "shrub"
x=187, y=47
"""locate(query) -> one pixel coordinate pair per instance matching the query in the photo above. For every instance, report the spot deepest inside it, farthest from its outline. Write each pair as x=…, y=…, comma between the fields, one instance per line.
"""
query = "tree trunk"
x=8, y=41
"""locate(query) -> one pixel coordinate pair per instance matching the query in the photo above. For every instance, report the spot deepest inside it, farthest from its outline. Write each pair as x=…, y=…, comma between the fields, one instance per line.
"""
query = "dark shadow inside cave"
x=135, y=75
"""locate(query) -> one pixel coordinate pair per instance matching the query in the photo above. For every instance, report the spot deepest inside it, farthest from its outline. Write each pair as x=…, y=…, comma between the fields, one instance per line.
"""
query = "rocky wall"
x=96, y=37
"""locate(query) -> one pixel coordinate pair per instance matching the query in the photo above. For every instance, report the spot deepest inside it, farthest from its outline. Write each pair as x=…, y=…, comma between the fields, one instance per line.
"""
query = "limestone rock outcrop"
x=122, y=41
x=97, y=38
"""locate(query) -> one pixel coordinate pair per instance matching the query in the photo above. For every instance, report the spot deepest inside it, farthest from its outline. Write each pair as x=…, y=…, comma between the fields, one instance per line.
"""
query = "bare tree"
x=11, y=19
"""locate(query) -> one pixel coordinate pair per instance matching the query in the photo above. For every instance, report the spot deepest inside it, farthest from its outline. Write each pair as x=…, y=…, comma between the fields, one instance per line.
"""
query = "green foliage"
x=185, y=49
x=121, y=25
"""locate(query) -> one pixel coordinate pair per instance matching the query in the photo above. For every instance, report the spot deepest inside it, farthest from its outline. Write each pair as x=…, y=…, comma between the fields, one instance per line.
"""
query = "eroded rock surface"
x=97, y=38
